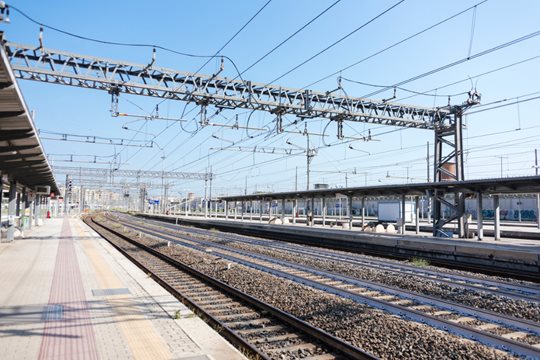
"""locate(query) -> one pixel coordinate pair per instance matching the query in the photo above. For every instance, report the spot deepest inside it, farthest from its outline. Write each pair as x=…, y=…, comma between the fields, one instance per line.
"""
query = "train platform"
x=512, y=255
x=68, y=294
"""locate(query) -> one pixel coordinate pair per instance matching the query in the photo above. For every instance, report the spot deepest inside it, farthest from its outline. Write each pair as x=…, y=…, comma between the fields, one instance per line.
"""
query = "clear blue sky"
x=202, y=27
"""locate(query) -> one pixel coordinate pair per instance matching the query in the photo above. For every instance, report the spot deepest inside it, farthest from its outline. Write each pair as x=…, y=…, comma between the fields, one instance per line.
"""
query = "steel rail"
x=526, y=293
x=225, y=331
x=296, y=323
x=343, y=246
x=496, y=341
x=485, y=315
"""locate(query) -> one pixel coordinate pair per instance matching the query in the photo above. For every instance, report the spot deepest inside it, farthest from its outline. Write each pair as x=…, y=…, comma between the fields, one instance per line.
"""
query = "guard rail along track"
x=258, y=329
x=411, y=306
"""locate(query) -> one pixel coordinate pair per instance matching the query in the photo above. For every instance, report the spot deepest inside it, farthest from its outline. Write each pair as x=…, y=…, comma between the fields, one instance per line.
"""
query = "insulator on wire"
x=41, y=38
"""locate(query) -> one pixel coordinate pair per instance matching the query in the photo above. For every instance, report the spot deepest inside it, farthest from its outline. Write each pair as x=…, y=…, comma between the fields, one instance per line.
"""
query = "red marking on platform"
x=72, y=336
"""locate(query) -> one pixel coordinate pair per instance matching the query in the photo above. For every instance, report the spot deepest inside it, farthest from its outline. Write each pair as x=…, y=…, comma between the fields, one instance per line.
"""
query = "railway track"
x=260, y=330
x=496, y=287
x=507, y=333
x=332, y=244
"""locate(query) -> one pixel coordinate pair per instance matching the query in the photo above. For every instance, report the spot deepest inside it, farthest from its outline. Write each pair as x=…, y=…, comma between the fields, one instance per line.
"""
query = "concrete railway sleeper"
x=520, y=337
x=259, y=329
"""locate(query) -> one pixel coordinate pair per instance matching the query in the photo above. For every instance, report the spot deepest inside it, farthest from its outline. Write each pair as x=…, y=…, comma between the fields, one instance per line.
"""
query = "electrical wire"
x=503, y=105
x=337, y=42
x=452, y=64
x=403, y=89
x=469, y=78
x=289, y=37
x=125, y=44
x=394, y=45
x=235, y=35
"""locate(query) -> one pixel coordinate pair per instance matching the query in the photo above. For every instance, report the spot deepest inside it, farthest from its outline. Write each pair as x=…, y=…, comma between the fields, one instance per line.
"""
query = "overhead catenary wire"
x=457, y=62
x=469, y=78
x=235, y=35
x=337, y=41
x=289, y=37
x=403, y=89
x=394, y=44
x=124, y=44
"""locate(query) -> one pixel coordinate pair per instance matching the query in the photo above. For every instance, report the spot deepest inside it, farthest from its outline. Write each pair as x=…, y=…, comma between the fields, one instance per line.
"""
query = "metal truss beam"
x=108, y=174
x=91, y=139
x=60, y=67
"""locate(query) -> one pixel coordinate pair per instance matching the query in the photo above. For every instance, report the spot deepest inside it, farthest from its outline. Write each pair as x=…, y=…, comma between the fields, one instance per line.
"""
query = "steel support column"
x=242, y=211
x=449, y=167
x=538, y=211
x=497, y=208
x=11, y=210
x=403, y=219
x=324, y=211
x=282, y=211
x=32, y=200
x=417, y=213
x=349, y=210
x=226, y=204
x=18, y=199
x=295, y=210
x=363, y=213
x=479, y=217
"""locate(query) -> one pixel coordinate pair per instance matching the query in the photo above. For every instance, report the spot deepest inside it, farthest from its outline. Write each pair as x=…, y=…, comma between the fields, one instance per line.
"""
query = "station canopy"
x=511, y=185
x=21, y=153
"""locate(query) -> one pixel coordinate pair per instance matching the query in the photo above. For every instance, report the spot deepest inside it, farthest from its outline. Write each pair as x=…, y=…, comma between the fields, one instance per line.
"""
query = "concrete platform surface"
x=65, y=293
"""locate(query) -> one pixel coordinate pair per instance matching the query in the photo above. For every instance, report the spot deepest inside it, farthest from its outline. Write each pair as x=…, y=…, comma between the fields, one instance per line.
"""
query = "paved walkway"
x=65, y=293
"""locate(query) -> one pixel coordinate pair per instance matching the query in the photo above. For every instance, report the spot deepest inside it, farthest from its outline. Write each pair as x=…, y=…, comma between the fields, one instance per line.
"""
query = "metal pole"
x=538, y=194
x=205, y=196
x=31, y=209
x=242, y=210
x=210, y=191
x=324, y=211
x=427, y=161
x=363, y=212
x=417, y=214
x=349, y=210
x=308, y=161
x=226, y=210
x=479, y=217
x=312, y=220
x=283, y=211
x=497, y=208
x=11, y=210
x=250, y=210
x=260, y=210
x=295, y=210
x=402, y=229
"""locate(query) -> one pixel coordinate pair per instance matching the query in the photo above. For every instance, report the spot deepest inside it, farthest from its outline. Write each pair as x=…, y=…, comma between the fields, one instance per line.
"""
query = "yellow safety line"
x=138, y=331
